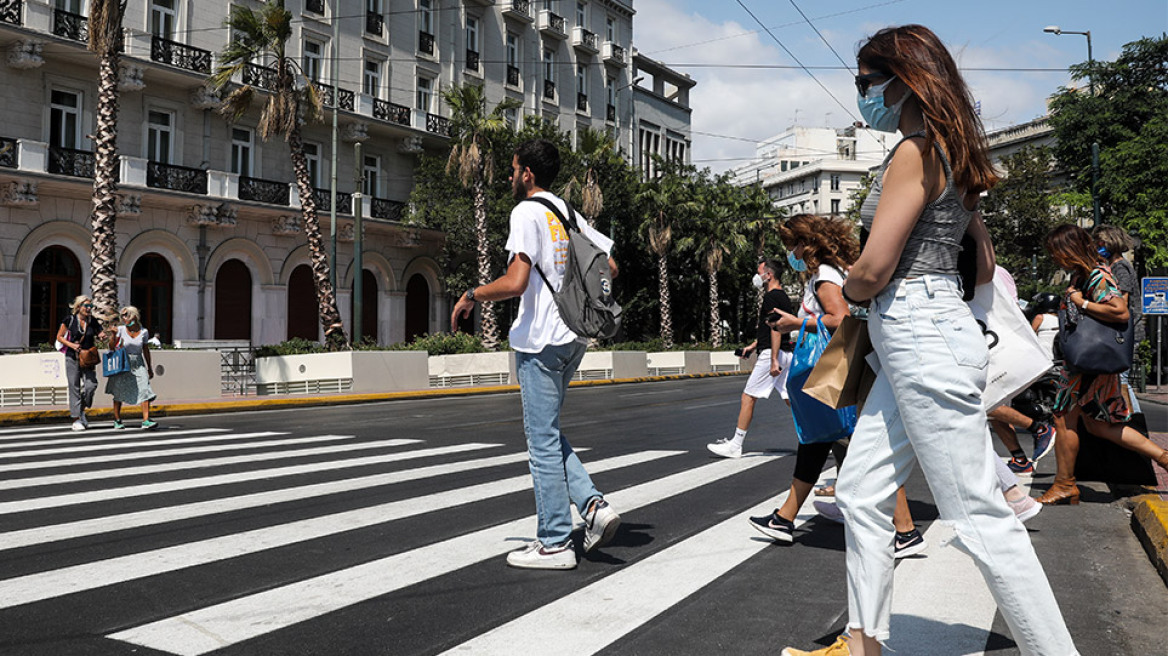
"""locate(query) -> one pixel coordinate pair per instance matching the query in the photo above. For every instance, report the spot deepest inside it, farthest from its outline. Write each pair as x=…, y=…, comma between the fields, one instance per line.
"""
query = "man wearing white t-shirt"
x=547, y=354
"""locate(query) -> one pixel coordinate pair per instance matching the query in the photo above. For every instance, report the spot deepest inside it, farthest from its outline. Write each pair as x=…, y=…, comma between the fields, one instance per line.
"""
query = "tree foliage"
x=1019, y=213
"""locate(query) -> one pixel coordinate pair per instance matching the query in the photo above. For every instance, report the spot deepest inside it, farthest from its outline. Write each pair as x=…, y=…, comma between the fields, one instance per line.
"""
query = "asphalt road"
x=382, y=529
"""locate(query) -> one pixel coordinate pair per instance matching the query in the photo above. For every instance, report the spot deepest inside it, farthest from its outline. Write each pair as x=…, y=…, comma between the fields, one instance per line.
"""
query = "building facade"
x=661, y=113
x=209, y=237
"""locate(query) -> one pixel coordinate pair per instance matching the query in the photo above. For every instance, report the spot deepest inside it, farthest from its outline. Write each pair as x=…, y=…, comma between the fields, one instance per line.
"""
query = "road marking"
x=214, y=627
x=178, y=449
x=56, y=501
x=594, y=617
x=113, y=440
x=87, y=576
x=61, y=430
x=111, y=523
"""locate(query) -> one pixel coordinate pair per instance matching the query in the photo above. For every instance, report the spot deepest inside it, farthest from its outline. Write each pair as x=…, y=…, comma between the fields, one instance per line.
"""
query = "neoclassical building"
x=209, y=237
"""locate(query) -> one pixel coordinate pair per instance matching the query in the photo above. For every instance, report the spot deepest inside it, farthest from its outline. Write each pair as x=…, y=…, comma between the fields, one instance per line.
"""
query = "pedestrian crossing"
x=98, y=517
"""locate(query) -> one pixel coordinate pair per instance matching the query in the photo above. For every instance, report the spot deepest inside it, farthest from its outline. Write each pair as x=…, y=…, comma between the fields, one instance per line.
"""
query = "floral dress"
x=133, y=386
x=1099, y=395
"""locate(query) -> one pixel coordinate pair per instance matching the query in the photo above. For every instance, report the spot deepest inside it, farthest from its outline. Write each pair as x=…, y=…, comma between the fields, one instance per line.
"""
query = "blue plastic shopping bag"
x=814, y=421
x=115, y=362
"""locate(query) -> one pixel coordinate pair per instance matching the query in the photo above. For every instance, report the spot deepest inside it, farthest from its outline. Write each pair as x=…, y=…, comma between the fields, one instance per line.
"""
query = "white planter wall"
x=33, y=379
x=727, y=361
x=603, y=365
x=345, y=371
x=182, y=376
x=669, y=363
x=466, y=369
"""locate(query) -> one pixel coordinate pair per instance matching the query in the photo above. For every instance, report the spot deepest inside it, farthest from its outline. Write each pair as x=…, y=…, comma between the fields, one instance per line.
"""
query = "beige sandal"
x=825, y=491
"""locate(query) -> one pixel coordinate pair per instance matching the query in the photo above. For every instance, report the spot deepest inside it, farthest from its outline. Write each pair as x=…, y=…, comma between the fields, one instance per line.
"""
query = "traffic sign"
x=1155, y=294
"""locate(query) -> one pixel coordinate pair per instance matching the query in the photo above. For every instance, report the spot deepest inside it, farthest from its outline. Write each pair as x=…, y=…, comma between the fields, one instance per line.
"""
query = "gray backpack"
x=585, y=298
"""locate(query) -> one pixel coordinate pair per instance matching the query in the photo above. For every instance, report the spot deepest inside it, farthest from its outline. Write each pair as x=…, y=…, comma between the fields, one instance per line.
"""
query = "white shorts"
x=762, y=382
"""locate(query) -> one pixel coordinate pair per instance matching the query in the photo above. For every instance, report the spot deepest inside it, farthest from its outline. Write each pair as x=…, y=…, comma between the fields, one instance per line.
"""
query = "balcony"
x=438, y=124
x=71, y=162
x=10, y=11
x=613, y=54
x=181, y=55
x=382, y=208
x=584, y=40
x=582, y=102
x=323, y=198
x=374, y=23
x=549, y=90
x=345, y=97
x=263, y=77
x=512, y=75
x=263, y=191
x=176, y=178
x=391, y=112
x=610, y=113
x=426, y=43
x=70, y=25
x=552, y=24
x=472, y=60
x=315, y=6
x=9, y=153
x=518, y=9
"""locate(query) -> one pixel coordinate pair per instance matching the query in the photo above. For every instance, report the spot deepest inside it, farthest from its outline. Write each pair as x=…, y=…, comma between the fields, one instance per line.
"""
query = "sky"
x=717, y=42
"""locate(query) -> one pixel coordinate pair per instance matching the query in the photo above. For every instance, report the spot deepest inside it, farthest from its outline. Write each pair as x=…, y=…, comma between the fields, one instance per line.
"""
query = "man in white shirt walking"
x=547, y=354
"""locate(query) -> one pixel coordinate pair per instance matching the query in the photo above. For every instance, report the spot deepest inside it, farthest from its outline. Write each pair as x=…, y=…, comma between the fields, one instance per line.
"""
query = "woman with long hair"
x=925, y=406
x=1097, y=399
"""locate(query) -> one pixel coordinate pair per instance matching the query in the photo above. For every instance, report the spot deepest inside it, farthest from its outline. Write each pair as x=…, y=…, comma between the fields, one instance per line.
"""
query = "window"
x=159, y=136
x=371, y=80
x=371, y=172
x=610, y=99
x=163, y=15
x=472, y=33
x=64, y=119
x=835, y=206
x=511, y=115
x=312, y=156
x=610, y=29
x=835, y=182
x=313, y=56
x=71, y=6
x=582, y=14
x=425, y=16
x=549, y=65
x=152, y=292
x=425, y=94
x=241, y=146
x=582, y=78
x=55, y=281
x=512, y=50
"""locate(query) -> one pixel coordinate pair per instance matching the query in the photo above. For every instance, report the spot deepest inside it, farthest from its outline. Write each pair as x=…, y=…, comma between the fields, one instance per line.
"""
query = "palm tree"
x=596, y=149
x=105, y=40
x=718, y=235
x=665, y=201
x=263, y=34
x=762, y=226
x=472, y=134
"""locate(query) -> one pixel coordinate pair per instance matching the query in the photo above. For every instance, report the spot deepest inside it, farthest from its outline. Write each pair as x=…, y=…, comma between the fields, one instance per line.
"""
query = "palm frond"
x=236, y=104
x=105, y=25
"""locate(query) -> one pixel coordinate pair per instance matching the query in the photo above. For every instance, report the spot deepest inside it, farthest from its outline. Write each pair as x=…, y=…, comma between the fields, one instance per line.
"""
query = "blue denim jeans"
x=557, y=475
x=926, y=407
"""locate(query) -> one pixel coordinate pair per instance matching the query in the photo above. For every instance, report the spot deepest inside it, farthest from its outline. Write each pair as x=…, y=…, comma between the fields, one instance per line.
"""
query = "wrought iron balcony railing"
x=382, y=208
x=315, y=6
x=263, y=191
x=263, y=77
x=581, y=101
x=472, y=60
x=374, y=23
x=552, y=24
x=520, y=9
x=345, y=98
x=9, y=153
x=610, y=113
x=586, y=39
x=10, y=11
x=391, y=112
x=181, y=55
x=512, y=75
x=323, y=198
x=549, y=90
x=426, y=43
x=70, y=25
x=438, y=124
x=176, y=178
x=71, y=162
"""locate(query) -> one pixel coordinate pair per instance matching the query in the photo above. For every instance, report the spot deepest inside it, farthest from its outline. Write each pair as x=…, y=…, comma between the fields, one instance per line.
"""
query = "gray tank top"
x=935, y=241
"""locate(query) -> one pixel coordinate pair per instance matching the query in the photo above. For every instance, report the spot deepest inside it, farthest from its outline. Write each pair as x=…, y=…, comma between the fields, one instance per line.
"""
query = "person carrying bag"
x=814, y=420
x=78, y=336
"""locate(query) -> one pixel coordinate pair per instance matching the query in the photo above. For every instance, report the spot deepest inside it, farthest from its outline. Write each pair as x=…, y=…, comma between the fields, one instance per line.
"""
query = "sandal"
x=825, y=491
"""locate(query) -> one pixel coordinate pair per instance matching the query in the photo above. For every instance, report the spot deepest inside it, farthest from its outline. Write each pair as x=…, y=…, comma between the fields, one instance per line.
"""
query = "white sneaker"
x=1024, y=508
x=829, y=510
x=600, y=524
x=78, y=425
x=537, y=556
x=725, y=448
x=84, y=420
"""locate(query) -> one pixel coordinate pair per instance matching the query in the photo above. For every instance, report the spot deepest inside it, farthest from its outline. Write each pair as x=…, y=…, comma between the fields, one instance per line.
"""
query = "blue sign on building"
x=1155, y=294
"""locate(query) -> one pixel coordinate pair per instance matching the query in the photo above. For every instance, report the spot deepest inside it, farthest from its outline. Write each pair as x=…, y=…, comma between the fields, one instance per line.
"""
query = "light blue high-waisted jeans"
x=557, y=475
x=926, y=407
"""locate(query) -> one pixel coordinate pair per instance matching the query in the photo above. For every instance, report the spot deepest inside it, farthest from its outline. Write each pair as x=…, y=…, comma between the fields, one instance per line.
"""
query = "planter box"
x=605, y=365
x=469, y=369
x=183, y=375
x=345, y=371
x=672, y=363
x=33, y=379
x=39, y=378
x=727, y=361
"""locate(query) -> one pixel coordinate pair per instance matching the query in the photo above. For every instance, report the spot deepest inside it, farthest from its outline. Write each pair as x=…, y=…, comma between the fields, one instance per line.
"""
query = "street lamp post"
x=1058, y=31
x=632, y=114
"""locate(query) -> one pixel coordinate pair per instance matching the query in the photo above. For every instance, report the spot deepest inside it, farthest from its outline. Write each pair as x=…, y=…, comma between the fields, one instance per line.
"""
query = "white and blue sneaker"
x=536, y=556
x=600, y=524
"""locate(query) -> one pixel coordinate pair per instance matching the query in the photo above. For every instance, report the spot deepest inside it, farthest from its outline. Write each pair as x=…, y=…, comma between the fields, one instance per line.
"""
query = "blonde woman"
x=80, y=330
x=133, y=386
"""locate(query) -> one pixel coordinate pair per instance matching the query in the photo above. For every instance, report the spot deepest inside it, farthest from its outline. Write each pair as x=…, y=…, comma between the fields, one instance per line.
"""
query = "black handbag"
x=1091, y=346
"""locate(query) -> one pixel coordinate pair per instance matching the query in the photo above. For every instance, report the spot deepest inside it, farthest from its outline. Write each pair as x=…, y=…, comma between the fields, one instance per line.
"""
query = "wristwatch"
x=470, y=294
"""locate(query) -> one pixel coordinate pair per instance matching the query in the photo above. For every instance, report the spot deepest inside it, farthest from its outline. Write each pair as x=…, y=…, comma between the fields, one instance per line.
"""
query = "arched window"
x=152, y=292
x=56, y=280
x=302, y=304
x=368, y=306
x=417, y=307
x=233, y=301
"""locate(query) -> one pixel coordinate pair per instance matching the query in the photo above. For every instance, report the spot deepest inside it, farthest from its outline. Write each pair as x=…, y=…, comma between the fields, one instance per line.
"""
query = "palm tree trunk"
x=715, y=318
x=103, y=252
x=666, y=312
x=330, y=317
x=488, y=325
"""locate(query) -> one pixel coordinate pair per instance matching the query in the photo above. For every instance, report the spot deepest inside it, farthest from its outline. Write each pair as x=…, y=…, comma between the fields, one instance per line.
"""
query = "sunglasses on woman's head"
x=864, y=82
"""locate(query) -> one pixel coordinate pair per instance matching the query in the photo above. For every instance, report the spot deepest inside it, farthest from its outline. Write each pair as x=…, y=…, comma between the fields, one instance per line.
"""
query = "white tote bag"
x=1017, y=358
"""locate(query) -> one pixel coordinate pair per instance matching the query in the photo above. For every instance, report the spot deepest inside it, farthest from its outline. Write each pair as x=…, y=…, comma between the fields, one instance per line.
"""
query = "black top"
x=772, y=300
x=73, y=329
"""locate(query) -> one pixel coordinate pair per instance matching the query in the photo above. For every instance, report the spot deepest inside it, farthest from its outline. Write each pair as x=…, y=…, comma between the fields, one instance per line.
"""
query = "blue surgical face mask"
x=1104, y=253
x=871, y=104
x=796, y=263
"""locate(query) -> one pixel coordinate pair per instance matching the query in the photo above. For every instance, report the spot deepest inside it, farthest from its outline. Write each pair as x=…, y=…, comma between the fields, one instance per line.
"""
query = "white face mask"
x=759, y=283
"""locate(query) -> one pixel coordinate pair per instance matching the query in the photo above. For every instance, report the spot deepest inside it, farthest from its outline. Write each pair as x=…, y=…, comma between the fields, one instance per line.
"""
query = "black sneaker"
x=908, y=544
x=775, y=527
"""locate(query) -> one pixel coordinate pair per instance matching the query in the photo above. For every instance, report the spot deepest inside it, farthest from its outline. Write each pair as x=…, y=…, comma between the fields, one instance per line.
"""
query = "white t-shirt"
x=810, y=306
x=537, y=233
x=133, y=345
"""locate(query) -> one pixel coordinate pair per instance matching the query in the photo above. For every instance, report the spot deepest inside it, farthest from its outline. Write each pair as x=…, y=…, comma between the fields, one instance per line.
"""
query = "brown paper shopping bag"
x=842, y=377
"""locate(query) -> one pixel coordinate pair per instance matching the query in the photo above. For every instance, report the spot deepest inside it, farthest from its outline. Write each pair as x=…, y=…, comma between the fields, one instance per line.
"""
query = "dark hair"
x=543, y=158
x=771, y=265
x=1075, y=246
x=825, y=240
x=915, y=55
x=1113, y=238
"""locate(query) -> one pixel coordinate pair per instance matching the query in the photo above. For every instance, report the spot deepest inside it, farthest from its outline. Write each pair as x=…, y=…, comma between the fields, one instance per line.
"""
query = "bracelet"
x=849, y=299
x=1083, y=307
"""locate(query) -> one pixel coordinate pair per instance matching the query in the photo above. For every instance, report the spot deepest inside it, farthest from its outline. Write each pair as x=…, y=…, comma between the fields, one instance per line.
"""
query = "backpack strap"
x=567, y=222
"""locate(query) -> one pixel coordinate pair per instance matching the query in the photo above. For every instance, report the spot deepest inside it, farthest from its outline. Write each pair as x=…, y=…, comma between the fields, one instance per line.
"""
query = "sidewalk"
x=1150, y=511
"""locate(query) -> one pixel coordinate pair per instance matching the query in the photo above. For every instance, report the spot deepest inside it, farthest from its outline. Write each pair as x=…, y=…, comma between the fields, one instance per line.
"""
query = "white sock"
x=739, y=437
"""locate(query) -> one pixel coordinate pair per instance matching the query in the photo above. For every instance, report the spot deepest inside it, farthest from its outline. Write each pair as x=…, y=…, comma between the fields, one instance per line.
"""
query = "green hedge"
x=453, y=343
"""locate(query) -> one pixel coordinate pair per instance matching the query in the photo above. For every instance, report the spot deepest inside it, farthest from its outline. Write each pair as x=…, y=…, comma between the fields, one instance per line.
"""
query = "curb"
x=1150, y=523
x=256, y=403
